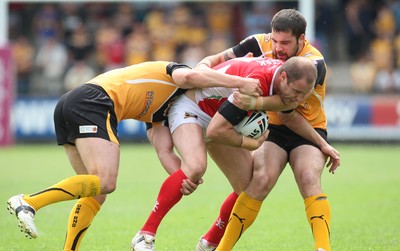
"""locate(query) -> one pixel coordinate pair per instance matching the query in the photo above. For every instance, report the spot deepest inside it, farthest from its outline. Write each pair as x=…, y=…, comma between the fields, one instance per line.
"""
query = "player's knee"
x=108, y=186
x=308, y=178
x=263, y=184
x=195, y=170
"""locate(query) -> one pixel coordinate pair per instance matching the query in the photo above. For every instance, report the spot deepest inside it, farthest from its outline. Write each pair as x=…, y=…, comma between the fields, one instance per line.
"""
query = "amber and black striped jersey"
x=313, y=108
x=142, y=92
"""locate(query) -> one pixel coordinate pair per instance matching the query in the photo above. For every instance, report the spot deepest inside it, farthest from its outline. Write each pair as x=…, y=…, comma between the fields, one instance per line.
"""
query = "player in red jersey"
x=284, y=87
x=284, y=144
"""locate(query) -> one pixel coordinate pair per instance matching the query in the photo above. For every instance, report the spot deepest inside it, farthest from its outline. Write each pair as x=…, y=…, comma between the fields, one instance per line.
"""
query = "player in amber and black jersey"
x=86, y=120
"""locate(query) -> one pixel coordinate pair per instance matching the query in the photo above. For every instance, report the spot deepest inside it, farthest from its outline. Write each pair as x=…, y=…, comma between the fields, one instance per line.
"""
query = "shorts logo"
x=190, y=115
x=88, y=129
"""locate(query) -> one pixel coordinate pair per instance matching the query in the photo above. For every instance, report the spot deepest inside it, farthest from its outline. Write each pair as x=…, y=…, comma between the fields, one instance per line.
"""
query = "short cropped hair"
x=297, y=68
x=289, y=20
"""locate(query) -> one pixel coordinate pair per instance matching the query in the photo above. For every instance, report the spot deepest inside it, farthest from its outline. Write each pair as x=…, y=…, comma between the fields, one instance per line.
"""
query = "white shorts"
x=186, y=111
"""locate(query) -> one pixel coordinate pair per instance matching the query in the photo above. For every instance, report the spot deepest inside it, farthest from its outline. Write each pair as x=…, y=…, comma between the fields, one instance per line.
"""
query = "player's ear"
x=283, y=75
x=302, y=38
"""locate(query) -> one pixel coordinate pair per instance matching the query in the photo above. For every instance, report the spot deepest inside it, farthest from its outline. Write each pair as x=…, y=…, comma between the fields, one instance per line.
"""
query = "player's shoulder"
x=260, y=37
x=312, y=53
x=309, y=51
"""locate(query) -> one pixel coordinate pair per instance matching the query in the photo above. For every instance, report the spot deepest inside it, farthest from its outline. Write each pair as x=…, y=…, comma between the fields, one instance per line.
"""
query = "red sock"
x=215, y=233
x=168, y=196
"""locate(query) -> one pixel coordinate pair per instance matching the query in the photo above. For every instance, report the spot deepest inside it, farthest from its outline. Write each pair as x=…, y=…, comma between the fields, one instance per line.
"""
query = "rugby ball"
x=253, y=125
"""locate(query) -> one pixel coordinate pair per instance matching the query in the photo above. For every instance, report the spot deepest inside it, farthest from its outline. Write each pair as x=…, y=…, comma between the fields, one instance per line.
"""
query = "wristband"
x=248, y=143
x=259, y=104
x=256, y=103
x=253, y=103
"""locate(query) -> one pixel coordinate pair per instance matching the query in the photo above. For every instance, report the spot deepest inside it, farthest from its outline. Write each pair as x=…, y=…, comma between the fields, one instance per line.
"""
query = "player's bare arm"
x=206, y=77
x=220, y=130
x=268, y=103
x=297, y=123
x=160, y=137
x=216, y=59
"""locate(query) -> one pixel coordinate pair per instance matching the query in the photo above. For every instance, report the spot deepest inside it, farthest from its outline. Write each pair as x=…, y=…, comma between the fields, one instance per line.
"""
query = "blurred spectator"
x=79, y=44
x=70, y=18
x=23, y=55
x=109, y=46
x=363, y=73
x=257, y=19
x=138, y=45
x=47, y=23
x=219, y=19
x=394, y=6
x=382, y=52
x=358, y=15
x=324, y=27
x=218, y=43
x=124, y=18
x=50, y=62
x=79, y=73
x=387, y=81
x=192, y=54
x=162, y=35
x=106, y=35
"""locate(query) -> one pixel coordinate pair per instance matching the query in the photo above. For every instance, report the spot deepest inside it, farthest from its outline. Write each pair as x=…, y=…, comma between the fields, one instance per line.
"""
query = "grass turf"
x=364, y=198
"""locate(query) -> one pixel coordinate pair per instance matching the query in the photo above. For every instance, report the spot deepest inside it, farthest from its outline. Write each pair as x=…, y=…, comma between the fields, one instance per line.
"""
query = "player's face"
x=294, y=92
x=285, y=45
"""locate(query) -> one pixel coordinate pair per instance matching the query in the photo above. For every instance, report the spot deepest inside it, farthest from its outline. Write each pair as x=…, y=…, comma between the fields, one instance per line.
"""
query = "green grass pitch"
x=364, y=195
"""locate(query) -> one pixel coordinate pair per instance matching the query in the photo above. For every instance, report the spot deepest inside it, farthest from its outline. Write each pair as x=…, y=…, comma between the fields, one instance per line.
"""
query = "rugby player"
x=190, y=114
x=86, y=120
x=306, y=150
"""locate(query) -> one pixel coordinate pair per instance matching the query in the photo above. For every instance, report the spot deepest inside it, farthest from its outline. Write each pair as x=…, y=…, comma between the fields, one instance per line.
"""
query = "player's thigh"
x=307, y=163
x=75, y=159
x=236, y=164
x=269, y=162
x=100, y=156
x=189, y=142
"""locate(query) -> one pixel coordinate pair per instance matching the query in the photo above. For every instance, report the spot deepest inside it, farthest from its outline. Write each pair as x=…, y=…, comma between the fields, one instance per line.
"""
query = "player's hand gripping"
x=246, y=102
x=189, y=186
x=251, y=86
x=333, y=161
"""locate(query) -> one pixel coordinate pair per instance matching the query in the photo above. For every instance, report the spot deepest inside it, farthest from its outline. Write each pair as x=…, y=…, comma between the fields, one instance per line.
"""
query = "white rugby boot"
x=25, y=214
x=203, y=245
x=143, y=242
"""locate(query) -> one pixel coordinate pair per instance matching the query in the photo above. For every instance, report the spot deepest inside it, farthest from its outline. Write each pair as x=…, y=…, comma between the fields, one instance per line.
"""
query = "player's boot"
x=25, y=214
x=320, y=249
x=142, y=242
x=204, y=245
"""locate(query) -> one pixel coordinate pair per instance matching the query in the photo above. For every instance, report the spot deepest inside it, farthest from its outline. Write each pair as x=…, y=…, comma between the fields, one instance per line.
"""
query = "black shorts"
x=162, y=123
x=289, y=140
x=84, y=112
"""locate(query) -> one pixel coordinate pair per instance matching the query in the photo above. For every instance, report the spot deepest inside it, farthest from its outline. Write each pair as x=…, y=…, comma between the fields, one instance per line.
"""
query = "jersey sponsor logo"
x=88, y=129
x=147, y=103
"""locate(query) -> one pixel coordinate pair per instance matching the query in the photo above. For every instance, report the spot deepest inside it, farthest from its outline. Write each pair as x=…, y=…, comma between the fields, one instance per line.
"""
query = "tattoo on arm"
x=228, y=55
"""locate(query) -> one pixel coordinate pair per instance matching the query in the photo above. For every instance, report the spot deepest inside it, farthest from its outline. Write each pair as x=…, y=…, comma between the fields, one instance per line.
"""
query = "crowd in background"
x=57, y=46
